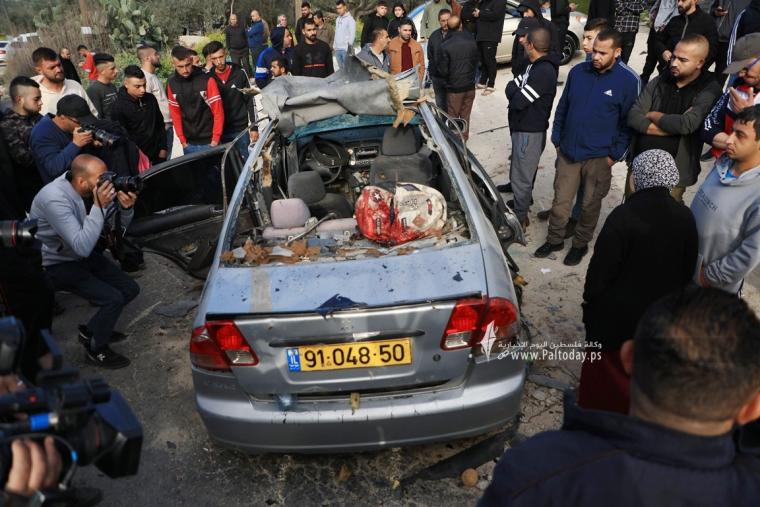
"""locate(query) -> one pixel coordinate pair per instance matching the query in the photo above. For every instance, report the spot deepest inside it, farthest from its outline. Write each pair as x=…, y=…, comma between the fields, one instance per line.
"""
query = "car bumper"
x=235, y=420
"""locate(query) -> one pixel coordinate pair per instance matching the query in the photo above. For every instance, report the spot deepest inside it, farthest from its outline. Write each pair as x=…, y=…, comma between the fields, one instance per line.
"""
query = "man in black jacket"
x=532, y=9
x=489, y=27
x=560, y=12
x=239, y=108
x=530, y=96
x=690, y=19
x=457, y=63
x=237, y=43
x=433, y=47
x=305, y=14
x=689, y=438
x=372, y=22
x=138, y=112
x=312, y=58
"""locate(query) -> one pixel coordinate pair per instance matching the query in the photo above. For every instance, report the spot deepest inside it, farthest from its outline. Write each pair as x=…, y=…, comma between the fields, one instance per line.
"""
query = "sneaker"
x=574, y=256
x=85, y=336
x=544, y=214
x=480, y=86
x=547, y=248
x=525, y=223
x=488, y=91
x=107, y=358
x=570, y=228
x=505, y=189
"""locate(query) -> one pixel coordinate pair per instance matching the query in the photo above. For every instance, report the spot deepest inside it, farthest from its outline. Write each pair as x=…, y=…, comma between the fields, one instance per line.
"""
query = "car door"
x=180, y=210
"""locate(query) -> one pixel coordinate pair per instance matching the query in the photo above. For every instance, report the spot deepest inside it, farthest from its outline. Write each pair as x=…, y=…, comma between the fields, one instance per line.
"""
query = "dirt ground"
x=181, y=466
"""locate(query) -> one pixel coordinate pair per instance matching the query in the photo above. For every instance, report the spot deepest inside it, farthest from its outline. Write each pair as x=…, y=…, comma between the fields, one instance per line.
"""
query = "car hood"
x=322, y=287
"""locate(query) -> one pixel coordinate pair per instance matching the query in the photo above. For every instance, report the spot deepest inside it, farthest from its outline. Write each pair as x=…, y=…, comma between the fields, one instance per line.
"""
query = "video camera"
x=17, y=233
x=122, y=183
x=108, y=139
x=95, y=422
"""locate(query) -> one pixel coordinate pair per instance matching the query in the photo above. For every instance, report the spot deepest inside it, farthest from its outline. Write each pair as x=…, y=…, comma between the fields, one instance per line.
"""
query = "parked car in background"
x=512, y=19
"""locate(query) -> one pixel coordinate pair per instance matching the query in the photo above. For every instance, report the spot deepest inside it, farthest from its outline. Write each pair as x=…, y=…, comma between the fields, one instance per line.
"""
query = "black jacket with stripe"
x=531, y=95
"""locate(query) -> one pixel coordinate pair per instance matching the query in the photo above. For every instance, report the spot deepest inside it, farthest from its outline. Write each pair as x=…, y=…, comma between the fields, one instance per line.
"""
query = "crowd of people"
x=663, y=288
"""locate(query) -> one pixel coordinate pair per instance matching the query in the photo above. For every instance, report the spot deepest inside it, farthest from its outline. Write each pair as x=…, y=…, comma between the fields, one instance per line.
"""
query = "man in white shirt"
x=53, y=84
x=150, y=60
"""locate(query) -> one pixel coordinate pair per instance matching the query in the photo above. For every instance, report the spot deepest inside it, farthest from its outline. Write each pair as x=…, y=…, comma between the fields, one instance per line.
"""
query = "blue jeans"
x=340, y=55
x=242, y=143
x=195, y=148
x=169, y=142
x=103, y=284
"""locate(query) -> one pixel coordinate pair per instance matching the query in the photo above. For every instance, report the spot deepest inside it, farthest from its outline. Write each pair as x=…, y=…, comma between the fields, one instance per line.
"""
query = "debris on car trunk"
x=253, y=254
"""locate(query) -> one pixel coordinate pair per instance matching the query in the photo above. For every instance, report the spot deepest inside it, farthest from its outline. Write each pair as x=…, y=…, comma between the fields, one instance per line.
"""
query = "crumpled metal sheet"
x=297, y=101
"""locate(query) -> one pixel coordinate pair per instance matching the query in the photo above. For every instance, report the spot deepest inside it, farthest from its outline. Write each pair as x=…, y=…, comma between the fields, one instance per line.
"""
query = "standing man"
x=239, y=108
x=627, y=15
x=195, y=104
x=531, y=9
x=374, y=21
x=150, y=61
x=604, y=9
x=531, y=96
x=560, y=13
x=374, y=53
x=88, y=62
x=305, y=15
x=102, y=92
x=457, y=64
x=490, y=25
x=647, y=248
x=138, y=112
x=429, y=16
x=69, y=69
x=16, y=131
x=345, y=32
x=53, y=85
x=727, y=209
x=433, y=48
x=256, y=38
x=69, y=235
x=725, y=13
x=690, y=19
x=237, y=43
x=668, y=114
x=744, y=93
x=659, y=16
x=590, y=134
x=406, y=52
x=325, y=31
x=313, y=57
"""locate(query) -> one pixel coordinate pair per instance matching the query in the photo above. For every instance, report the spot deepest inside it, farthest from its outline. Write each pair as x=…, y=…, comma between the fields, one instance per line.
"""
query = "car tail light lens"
x=486, y=323
x=219, y=345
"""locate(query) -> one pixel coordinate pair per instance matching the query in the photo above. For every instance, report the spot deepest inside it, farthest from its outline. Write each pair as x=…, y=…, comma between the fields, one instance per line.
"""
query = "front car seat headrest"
x=289, y=213
x=307, y=185
x=399, y=141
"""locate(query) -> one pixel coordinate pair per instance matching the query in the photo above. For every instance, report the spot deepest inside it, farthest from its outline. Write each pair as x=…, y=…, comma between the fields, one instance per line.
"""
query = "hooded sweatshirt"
x=531, y=95
x=519, y=58
x=727, y=212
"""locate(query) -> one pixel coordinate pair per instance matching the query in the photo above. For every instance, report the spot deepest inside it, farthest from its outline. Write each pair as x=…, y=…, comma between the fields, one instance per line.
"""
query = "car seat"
x=402, y=159
x=308, y=185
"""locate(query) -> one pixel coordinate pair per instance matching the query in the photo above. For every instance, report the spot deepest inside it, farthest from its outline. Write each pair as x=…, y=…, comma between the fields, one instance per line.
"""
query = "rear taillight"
x=220, y=345
x=485, y=325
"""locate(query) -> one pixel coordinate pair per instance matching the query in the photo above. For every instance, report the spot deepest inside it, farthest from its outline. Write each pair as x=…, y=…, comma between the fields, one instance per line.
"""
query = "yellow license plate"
x=350, y=355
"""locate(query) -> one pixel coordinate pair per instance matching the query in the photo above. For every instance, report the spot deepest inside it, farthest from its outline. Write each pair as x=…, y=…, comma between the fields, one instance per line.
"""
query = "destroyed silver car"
x=310, y=337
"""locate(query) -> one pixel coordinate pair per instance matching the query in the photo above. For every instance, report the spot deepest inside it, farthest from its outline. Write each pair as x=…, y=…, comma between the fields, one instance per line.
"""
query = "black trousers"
x=652, y=57
x=629, y=39
x=487, y=51
x=721, y=61
x=240, y=58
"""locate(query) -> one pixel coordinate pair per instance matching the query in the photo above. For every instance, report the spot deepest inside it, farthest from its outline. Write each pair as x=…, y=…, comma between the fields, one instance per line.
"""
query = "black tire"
x=568, y=49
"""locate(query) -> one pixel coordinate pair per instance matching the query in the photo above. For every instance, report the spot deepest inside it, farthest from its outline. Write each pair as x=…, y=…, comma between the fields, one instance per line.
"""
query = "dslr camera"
x=122, y=183
x=92, y=423
x=17, y=233
x=105, y=137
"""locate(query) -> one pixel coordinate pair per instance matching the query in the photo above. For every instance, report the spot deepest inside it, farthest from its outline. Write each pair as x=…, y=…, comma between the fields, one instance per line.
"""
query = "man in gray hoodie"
x=727, y=209
x=69, y=236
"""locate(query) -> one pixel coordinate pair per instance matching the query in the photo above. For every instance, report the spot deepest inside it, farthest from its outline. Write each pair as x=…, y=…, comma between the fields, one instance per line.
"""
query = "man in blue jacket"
x=690, y=437
x=590, y=134
x=256, y=34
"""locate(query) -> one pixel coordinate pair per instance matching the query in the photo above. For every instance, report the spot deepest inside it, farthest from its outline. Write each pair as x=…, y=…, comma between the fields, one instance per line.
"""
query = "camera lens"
x=16, y=233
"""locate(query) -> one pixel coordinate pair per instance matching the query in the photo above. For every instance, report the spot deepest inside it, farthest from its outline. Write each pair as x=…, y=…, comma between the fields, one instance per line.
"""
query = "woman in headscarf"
x=399, y=15
x=646, y=249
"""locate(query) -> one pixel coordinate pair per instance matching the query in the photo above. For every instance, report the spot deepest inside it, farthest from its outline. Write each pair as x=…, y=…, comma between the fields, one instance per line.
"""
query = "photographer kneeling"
x=69, y=235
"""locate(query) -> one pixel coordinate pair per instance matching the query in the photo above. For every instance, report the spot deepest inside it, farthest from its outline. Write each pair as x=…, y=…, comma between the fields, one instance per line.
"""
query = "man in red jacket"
x=195, y=104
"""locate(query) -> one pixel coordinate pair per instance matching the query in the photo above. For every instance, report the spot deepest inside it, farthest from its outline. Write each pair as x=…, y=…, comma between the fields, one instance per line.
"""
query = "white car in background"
x=512, y=19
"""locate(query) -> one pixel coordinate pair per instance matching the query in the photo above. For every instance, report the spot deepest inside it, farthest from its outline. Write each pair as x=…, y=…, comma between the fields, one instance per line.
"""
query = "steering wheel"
x=325, y=157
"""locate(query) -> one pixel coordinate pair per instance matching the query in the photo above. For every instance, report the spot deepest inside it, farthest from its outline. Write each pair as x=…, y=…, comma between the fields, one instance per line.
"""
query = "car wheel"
x=568, y=49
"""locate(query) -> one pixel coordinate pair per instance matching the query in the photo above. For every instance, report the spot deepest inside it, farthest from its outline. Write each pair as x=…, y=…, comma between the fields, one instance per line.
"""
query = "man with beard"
x=150, y=62
x=406, y=52
x=239, y=108
x=305, y=15
x=690, y=19
x=237, y=43
x=590, y=134
x=312, y=58
x=668, y=114
x=69, y=70
x=53, y=84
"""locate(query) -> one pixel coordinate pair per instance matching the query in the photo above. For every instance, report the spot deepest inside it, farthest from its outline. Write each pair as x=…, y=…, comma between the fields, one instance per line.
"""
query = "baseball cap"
x=75, y=107
x=745, y=51
x=525, y=26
